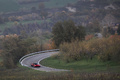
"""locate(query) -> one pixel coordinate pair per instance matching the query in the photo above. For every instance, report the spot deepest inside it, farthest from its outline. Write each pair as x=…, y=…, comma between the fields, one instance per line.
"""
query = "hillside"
x=45, y=13
x=17, y=5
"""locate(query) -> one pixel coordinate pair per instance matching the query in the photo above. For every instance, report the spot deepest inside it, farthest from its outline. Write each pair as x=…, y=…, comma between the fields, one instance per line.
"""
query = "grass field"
x=83, y=65
x=12, y=5
x=24, y=73
x=50, y=4
x=9, y=5
x=58, y=3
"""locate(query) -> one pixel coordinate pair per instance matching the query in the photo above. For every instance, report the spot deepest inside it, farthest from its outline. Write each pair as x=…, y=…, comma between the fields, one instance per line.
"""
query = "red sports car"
x=35, y=65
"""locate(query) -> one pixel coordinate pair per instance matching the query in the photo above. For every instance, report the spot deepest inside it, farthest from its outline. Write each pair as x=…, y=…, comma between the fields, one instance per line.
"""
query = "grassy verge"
x=23, y=73
x=83, y=65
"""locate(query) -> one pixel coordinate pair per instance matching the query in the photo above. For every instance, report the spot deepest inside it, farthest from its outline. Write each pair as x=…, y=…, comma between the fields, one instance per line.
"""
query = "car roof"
x=35, y=63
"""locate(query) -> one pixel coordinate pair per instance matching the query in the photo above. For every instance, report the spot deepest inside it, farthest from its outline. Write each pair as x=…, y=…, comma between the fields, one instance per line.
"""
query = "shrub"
x=14, y=48
x=105, y=49
x=72, y=51
x=112, y=50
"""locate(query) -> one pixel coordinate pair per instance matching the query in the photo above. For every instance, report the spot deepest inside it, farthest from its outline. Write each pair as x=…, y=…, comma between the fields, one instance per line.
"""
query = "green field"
x=51, y=4
x=9, y=5
x=82, y=65
x=58, y=3
x=12, y=5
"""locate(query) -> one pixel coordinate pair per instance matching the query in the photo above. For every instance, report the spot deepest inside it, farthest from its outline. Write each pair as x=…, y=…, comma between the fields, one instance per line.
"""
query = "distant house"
x=71, y=9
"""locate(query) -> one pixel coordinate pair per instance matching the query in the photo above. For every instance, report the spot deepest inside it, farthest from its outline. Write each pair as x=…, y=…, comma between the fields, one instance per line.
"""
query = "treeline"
x=30, y=1
x=32, y=16
x=28, y=28
x=105, y=49
x=14, y=47
x=21, y=16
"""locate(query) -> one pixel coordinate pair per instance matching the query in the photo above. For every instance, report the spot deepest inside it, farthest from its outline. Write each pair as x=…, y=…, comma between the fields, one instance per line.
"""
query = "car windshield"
x=35, y=63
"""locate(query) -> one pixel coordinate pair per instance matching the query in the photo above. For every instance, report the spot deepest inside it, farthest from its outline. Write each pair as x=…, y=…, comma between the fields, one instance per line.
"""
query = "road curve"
x=37, y=58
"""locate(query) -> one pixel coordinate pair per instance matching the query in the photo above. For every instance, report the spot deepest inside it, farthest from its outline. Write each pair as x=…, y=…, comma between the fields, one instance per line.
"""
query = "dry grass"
x=28, y=74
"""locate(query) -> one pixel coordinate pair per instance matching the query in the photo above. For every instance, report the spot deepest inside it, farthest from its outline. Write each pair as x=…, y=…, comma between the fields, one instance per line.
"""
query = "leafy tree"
x=93, y=26
x=41, y=5
x=33, y=9
x=66, y=32
x=44, y=13
x=14, y=48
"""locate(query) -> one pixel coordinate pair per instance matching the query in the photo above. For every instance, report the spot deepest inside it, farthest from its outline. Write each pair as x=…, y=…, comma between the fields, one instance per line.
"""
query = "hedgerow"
x=106, y=49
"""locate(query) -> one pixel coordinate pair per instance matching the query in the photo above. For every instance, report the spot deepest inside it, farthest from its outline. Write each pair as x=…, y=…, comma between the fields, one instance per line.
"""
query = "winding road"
x=37, y=58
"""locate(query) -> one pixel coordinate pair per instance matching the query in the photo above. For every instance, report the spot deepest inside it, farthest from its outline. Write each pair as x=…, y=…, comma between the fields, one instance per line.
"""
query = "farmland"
x=13, y=5
x=9, y=5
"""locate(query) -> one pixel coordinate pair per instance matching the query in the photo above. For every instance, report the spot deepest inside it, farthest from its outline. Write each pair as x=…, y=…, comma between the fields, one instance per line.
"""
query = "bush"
x=72, y=51
x=14, y=48
x=105, y=49
x=112, y=50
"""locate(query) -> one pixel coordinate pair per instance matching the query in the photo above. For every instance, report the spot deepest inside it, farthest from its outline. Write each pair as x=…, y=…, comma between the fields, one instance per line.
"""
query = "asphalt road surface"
x=37, y=58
